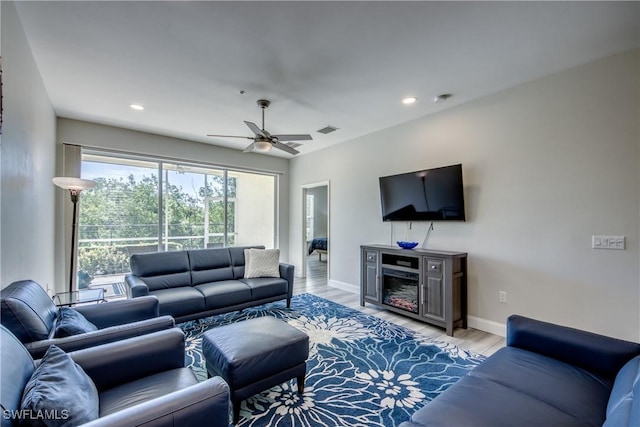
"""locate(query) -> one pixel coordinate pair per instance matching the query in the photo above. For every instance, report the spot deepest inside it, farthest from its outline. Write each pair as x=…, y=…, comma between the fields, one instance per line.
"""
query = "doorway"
x=315, y=231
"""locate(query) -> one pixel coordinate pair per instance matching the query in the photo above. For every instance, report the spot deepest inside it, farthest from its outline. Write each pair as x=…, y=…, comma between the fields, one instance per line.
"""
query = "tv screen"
x=427, y=195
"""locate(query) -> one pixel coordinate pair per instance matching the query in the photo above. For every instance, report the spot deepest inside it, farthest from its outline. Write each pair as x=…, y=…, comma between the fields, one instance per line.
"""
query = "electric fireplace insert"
x=400, y=281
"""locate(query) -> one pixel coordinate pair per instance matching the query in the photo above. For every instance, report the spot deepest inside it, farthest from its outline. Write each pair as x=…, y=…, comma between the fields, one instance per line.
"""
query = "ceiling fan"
x=263, y=141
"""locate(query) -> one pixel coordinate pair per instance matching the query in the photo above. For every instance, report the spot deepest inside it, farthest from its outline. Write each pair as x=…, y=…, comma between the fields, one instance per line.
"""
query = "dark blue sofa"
x=204, y=282
x=547, y=375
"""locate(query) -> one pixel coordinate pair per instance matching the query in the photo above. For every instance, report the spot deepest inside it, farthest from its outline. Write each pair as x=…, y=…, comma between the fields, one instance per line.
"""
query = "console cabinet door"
x=434, y=289
x=370, y=283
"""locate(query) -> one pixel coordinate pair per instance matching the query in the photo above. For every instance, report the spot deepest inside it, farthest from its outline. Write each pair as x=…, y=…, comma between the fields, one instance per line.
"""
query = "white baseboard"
x=354, y=289
x=487, y=326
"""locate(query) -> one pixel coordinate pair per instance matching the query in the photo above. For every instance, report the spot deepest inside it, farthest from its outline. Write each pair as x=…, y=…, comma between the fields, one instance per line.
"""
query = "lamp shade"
x=70, y=183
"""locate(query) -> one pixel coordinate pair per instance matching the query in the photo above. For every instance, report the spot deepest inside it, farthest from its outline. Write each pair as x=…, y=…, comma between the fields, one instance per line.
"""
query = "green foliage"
x=100, y=260
x=120, y=211
x=119, y=208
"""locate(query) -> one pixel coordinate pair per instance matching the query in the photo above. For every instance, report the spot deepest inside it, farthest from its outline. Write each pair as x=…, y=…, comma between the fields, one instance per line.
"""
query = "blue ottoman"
x=254, y=355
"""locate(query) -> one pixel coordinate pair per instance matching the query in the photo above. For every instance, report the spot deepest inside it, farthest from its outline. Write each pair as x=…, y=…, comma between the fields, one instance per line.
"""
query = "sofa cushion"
x=70, y=322
x=596, y=353
x=27, y=311
x=576, y=392
x=60, y=387
x=145, y=389
x=474, y=401
x=224, y=293
x=266, y=287
x=162, y=270
x=210, y=265
x=261, y=263
x=179, y=301
x=623, y=408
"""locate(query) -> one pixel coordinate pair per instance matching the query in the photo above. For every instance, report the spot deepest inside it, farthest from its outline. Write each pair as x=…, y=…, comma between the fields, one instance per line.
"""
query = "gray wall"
x=546, y=165
x=28, y=162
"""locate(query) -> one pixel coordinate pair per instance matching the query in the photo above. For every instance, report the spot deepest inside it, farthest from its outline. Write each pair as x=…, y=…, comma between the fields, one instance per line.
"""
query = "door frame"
x=303, y=233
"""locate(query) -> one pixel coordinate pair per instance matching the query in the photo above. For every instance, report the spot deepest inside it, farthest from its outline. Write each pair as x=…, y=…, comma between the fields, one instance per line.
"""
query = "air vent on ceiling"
x=293, y=144
x=328, y=129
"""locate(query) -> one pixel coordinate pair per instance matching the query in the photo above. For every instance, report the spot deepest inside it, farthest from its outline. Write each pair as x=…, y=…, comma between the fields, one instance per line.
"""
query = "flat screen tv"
x=427, y=195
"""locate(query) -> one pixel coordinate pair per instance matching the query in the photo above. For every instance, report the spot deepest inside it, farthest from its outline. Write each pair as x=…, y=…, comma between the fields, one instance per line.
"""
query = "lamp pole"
x=75, y=186
x=74, y=199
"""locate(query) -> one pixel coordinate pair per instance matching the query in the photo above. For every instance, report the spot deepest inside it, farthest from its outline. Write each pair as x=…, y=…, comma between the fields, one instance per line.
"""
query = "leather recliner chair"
x=30, y=314
x=139, y=381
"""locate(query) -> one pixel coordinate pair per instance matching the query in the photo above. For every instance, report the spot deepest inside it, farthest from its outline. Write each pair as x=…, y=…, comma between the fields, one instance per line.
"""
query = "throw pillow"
x=59, y=393
x=70, y=322
x=620, y=408
x=261, y=263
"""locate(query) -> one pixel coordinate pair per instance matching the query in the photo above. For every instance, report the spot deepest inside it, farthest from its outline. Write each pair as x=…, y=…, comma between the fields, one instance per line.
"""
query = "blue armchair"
x=30, y=314
x=139, y=381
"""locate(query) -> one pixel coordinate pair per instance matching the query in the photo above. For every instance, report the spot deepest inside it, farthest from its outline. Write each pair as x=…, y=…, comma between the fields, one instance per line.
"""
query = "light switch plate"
x=608, y=242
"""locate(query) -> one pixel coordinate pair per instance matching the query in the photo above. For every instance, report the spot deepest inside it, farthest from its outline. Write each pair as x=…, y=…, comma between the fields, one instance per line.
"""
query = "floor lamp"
x=75, y=186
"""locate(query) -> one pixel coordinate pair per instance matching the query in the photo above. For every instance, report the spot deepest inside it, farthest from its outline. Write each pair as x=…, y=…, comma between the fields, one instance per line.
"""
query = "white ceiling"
x=346, y=64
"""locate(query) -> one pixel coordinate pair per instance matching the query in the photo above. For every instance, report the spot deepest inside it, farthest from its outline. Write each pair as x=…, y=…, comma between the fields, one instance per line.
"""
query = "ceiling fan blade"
x=250, y=148
x=265, y=133
x=294, y=137
x=231, y=136
x=255, y=129
x=284, y=147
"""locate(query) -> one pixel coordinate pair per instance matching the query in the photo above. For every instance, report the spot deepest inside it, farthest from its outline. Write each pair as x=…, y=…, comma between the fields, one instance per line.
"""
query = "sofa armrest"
x=136, y=287
x=205, y=403
x=120, y=311
x=101, y=336
x=128, y=360
x=286, y=272
x=598, y=354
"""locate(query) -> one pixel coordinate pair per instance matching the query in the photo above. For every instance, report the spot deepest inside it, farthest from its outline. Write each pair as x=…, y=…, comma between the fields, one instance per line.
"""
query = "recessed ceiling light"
x=409, y=100
x=136, y=107
x=442, y=98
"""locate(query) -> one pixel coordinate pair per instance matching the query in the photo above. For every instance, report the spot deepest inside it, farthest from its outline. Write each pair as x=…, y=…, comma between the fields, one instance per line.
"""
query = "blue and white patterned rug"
x=361, y=371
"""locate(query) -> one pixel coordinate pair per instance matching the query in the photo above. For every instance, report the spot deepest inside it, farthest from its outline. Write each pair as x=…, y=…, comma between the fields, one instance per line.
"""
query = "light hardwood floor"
x=316, y=283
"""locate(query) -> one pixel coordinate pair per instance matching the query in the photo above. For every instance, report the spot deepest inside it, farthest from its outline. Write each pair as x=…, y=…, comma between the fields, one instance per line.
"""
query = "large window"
x=144, y=205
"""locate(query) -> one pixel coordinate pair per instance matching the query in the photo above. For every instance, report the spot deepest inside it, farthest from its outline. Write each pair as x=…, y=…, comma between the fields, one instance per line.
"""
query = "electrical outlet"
x=502, y=297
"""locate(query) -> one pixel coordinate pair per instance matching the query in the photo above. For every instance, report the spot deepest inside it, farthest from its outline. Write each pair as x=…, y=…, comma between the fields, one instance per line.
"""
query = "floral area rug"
x=361, y=371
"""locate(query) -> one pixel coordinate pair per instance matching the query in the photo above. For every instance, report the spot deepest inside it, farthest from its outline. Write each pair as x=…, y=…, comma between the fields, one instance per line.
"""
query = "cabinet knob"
x=433, y=267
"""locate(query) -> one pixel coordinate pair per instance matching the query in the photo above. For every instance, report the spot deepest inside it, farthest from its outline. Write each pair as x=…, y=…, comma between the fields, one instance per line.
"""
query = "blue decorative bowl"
x=407, y=245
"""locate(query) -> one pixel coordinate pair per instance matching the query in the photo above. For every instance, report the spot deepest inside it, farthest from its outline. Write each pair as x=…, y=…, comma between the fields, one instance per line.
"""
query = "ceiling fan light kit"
x=262, y=146
x=263, y=141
